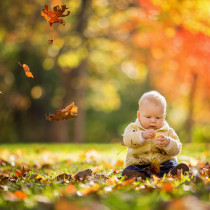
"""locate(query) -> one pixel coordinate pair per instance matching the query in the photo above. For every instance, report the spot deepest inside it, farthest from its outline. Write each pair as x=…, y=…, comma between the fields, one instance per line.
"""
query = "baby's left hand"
x=162, y=141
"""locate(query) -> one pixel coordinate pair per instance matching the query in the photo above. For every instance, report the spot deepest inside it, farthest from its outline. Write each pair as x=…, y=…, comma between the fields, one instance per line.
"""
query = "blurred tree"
x=108, y=53
x=89, y=63
x=177, y=37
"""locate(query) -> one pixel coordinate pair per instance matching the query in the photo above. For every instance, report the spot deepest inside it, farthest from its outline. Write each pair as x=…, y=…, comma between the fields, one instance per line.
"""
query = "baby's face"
x=151, y=116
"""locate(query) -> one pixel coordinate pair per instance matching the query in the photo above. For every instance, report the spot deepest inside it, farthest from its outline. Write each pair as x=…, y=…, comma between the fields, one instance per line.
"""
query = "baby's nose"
x=153, y=119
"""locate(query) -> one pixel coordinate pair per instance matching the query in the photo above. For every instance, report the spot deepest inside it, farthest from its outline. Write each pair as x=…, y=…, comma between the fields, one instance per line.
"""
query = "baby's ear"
x=138, y=115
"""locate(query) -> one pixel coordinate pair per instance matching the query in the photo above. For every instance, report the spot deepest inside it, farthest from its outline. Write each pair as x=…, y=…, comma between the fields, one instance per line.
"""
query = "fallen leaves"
x=63, y=114
x=22, y=172
x=82, y=175
x=20, y=195
x=64, y=176
x=55, y=16
x=167, y=187
x=26, y=70
x=154, y=168
x=44, y=174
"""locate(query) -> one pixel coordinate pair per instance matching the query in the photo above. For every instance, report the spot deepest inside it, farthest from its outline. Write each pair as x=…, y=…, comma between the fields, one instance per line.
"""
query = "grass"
x=40, y=188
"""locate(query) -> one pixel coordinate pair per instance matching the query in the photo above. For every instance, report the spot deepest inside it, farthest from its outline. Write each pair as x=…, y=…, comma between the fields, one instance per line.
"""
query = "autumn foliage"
x=63, y=114
x=37, y=174
x=26, y=70
x=56, y=15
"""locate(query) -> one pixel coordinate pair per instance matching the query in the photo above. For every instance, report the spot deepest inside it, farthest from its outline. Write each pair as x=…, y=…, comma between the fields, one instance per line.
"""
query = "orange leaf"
x=54, y=17
x=129, y=181
x=70, y=189
x=27, y=70
x=119, y=163
x=19, y=194
x=91, y=189
x=112, y=181
x=63, y=114
x=22, y=172
x=167, y=187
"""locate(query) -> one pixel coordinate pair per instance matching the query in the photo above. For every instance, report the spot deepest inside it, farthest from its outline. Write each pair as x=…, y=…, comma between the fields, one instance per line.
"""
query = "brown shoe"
x=129, y=174
x=182, y=166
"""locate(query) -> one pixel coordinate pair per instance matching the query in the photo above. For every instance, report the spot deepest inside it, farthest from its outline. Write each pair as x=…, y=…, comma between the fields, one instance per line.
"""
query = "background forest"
x=108, y=53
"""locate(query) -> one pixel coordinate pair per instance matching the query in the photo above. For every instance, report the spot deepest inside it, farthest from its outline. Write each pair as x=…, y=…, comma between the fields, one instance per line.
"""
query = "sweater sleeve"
x=175, y=146
x=132, y=137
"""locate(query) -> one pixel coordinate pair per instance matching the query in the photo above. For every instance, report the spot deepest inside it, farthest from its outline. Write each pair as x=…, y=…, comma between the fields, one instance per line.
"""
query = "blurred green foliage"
x=91, y=62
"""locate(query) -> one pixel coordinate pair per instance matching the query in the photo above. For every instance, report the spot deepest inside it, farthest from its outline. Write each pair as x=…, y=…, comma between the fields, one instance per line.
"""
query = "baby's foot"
x=182, y=166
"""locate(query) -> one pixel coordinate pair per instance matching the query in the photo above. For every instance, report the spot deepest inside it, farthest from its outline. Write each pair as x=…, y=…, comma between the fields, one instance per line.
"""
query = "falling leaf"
x=54, y=17
x=63, y=114
x=27, y=70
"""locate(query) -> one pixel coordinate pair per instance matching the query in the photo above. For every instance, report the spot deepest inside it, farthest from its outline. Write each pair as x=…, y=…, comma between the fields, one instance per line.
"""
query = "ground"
x=87, y=176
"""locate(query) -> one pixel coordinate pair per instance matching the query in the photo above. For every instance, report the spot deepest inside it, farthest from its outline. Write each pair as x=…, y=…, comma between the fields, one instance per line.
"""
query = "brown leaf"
x=154, y=168
x=22, y=172
x=63, y=114
x=82, y=175
x=4, y=176
x=26, y=69
x=54, y=17
x=64, y=176
x=46, y=166
x=4, y=163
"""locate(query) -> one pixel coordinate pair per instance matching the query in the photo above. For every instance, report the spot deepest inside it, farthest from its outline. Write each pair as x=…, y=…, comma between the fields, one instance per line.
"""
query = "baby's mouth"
x=152, y=126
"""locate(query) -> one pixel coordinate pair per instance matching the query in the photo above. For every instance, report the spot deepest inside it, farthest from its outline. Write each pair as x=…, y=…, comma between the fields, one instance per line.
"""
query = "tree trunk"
x=189, y=121
x=79, y=125
x=59, y=131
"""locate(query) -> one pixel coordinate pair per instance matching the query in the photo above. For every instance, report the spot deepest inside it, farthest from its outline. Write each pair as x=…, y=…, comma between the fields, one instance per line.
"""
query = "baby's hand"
x=162, y=141
x=148, y=134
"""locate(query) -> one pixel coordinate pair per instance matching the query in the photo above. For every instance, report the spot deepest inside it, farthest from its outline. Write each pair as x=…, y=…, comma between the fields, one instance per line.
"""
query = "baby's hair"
x=154, y=97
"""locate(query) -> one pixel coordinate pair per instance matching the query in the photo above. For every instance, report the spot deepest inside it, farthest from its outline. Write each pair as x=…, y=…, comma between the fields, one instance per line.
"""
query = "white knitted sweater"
x=144, y=151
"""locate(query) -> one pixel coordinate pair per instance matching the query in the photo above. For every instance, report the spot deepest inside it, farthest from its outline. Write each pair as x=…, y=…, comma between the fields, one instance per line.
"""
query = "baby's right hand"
x=148, y=134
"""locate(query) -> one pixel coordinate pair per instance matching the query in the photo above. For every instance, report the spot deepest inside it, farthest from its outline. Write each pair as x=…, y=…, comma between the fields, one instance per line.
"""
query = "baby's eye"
x=148, y=117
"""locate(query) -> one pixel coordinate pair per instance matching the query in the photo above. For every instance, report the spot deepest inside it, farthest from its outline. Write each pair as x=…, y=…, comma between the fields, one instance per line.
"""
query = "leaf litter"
x=20, y=181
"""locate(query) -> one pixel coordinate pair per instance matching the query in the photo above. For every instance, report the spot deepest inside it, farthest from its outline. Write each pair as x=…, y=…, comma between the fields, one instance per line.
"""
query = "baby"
x=151, y=140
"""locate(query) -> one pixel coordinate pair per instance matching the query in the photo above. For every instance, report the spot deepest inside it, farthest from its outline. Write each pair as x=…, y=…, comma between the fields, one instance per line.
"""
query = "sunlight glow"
x=36, y=92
